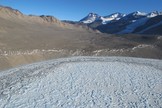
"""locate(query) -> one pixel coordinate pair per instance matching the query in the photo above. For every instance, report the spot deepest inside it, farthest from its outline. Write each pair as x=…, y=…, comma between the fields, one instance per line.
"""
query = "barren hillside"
x=26, y=39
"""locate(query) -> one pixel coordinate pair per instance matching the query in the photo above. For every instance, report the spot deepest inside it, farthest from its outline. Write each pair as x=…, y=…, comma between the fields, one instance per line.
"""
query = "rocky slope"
x=27, y=38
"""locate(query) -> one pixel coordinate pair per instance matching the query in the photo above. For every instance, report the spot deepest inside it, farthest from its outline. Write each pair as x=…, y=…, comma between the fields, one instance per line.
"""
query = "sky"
x=77, y=9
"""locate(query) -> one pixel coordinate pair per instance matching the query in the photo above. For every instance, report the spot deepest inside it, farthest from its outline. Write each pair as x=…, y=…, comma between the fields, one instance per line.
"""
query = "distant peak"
x=153, y=14
x=93, y=15
x=138, y=13
x=116, y=14
x=9, y=10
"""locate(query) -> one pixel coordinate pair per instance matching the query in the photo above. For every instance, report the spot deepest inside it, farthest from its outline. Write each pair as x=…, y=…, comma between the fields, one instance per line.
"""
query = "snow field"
x=84, y=82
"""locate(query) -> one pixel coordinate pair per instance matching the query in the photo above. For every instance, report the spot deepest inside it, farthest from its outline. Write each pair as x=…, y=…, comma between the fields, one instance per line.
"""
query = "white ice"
x=84, y=82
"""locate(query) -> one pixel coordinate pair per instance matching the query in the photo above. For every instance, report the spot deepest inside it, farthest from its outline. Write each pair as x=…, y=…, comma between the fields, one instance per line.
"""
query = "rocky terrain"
x=27, y=38
x=63, y=80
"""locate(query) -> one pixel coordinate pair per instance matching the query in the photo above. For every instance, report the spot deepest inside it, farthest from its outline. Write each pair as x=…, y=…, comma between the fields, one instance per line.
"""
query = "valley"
x=53, y=56
x=26, y=39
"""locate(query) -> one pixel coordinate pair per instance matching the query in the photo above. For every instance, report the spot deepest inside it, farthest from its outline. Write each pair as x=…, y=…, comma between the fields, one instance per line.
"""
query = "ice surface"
x=84, y=82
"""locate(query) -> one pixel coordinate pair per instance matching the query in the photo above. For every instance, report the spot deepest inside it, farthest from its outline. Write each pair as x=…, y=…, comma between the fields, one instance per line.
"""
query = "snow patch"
x=153, y=14
x=130, y=28
x=142, y=46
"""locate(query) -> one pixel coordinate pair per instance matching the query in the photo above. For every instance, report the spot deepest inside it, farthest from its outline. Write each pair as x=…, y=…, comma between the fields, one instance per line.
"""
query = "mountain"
x=143, y=21
x=11, y=14
x=9, y=11
x=114, y=16
x=82, y=81
x=42, y=31
x=29, y=38
x=153, y=14
x=151, y=26
x=134, y=16
x=118, y=23
x=91, y=17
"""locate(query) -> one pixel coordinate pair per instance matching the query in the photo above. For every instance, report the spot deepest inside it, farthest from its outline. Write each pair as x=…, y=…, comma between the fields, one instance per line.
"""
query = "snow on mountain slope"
x=114, y=16
x=153, y=14
x=118, y=23
x=91, y=17
x=83, y=82
x=138, y=13
x=155, y=25
x=139, y=22
x=130, y=28
x=134, y=16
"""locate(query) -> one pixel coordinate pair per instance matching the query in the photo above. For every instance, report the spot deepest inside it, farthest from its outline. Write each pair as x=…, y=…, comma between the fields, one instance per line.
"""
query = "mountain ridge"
x=29, y=38
x=115, y=23
x=123, y=23
x=122, y=15
x=11, y=14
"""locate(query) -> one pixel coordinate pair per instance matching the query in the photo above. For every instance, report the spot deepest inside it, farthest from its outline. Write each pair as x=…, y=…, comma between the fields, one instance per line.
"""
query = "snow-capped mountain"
x=134, y=16
x=114, y=16
x=138, y=13
x=153, y=14
x=91, y=17
x=131, y=27
x=135, y=22
x=138, y=19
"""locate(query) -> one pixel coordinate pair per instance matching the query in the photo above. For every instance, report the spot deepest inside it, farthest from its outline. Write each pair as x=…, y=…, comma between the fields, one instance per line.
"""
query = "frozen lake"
x=83, y=82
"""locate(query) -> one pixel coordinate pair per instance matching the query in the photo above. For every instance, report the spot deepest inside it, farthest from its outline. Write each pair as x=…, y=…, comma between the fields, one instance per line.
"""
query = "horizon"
x=75, y=11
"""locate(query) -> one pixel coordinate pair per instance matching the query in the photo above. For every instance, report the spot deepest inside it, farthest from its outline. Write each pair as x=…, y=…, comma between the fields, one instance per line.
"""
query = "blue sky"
x=77, y=9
